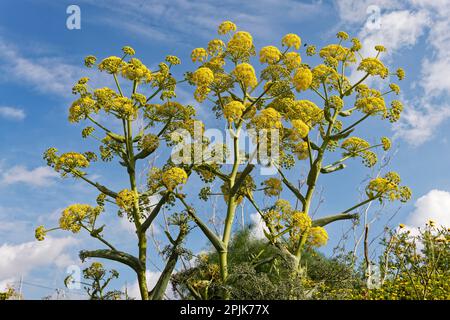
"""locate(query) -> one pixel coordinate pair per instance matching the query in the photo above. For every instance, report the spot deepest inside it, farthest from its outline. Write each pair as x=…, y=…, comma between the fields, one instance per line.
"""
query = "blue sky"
x=40, y=60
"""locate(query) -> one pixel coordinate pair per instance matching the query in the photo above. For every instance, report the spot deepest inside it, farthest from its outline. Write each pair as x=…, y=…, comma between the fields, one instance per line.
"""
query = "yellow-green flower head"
x=342, y=35
x=89, y=61
x=356, y=45
x=124, y=107
x=386, y=143
x=240, y=44
x=111, y=64
x=268, y=118
x=400, y=74
x=292, y=60
x=174, y=177
x=311, y=50
x=233, y=111
x=371, y=105
x=374, y=67
x=71, y=160
x=216, y=47
x=73, y=215
x=336, y=102
x=337, y=52
x=128, y=51
x=300, y=128
x=301, y=221
x=301, y=150
x=174, y=60
x=245, y=73
x=302, y=79
x=81, y=108
x=395, y=111
x=226, y=27
x=269, y=54
x=203, y=77
x=395, y=88
x=380, y=48
x=272, y=187
x=40, y=233
x=318, y=236
x=199, y=54
x=291, y=40
x=126, y=199
x=135, y=70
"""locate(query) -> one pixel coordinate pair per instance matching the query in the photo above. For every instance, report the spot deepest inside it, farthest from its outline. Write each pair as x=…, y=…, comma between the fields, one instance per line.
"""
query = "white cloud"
x=152, y=278
x=11, y=113
x=22, y=258
x=38, y=177
x=401, y=24
x=435, y=205
x=257, y=226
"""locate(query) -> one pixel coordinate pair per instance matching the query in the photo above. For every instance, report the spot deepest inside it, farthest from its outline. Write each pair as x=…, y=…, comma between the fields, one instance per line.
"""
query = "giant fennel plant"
x=99, y=107
x=288, y=129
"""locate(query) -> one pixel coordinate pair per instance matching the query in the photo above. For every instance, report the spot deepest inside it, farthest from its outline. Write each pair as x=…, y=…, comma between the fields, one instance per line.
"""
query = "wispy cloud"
x=12, y=113
x=37, y=177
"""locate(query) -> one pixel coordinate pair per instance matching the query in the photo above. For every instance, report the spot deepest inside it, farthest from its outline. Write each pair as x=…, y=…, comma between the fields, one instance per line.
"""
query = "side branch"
x=118, y=256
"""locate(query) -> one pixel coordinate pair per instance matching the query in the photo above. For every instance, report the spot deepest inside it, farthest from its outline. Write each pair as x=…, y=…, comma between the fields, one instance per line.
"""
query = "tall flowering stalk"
x=276, y=100
x=120, y=143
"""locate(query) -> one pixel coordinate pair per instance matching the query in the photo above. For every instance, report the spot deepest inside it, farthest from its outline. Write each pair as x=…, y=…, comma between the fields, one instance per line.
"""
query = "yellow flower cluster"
x=292, y=60
x=370, y=101
x=240, y=45
x=318, y=237
x=226, y=27
x=70, y=161
x=269, y=54
x=301, y=150
x=387, y=187
x=302, y=79
x=81, y=108
x=202, y=77
x=111, y=65
x=305, y=110
x=128, y=51
x=291, y=40
x=124, y=107
x=358, y=147
x=216, y=47
x=126, y=199
x=233, y=111
x=301, y=221
x=272, y=187
x=334, y=53
x=174, y=177
x=374, y=67
x=300, y=129
x=199, y=54
x=245, y=73
x=135, y=70
x=268, y=118
x=40, y=233
x=386, y=143
x=72, y=217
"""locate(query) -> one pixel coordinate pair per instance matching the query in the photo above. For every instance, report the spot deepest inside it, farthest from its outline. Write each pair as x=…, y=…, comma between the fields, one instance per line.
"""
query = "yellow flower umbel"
x=374, y=67
x=269, y=54
x=202, y=77
x=126, y=199
x=240, y=45
x=174, y=177
x=199, y=54
x=292, y=60
x=302, y=79
x=135, y=70
x=267, y=119
x=245, y=73
x=291, y=40
x=73, y=216
x=272, y=187
x=71, y=160
x=318, y=236
x=299, y=128
x=233, y=111
x=40, y=233
x=226, y=27
x=111, y=65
